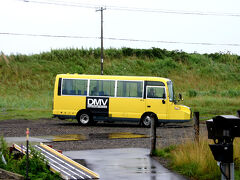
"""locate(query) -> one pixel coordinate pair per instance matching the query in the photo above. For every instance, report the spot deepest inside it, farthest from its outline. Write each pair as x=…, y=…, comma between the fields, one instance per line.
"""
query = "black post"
x=27, y=164
x=153, y=136
x=101, y=41
x=101, y=9
x=196, y=126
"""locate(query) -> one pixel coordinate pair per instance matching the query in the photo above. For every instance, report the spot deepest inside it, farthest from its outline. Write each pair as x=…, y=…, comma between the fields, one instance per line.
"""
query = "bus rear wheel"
x=84, y=118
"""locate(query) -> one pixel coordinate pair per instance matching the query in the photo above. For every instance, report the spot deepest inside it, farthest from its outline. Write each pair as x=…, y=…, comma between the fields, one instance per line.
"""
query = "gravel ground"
x=97, y=135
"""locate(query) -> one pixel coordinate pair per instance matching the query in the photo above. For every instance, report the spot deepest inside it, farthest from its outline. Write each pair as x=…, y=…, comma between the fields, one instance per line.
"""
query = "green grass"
x=210, y=83
x=26, y=105
x=165, y=152
x=196, y=160
x=210, y=106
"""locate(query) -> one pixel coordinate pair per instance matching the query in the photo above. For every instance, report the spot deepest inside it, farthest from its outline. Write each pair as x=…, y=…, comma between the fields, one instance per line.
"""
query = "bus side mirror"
x=180, y=97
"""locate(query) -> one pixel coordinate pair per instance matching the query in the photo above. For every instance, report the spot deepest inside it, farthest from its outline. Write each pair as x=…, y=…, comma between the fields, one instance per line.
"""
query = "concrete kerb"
x=10, y=175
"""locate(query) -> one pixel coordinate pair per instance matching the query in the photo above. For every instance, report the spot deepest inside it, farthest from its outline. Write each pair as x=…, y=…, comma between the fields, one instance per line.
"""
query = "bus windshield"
x=171, y=91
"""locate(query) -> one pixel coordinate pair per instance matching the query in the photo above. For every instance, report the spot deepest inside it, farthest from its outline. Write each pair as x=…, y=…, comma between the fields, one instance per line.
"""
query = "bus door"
x=156, y=100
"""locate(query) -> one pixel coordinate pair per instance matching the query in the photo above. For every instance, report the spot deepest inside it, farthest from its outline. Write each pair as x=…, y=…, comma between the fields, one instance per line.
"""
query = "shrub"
x=158, y=53
x=192, y=93
x=213, y=92
x=231, y=93
x=127, y=52
x=113, y=53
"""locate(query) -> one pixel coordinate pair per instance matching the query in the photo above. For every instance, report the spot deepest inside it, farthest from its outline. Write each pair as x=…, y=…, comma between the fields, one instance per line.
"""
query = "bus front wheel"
x=147, y=119
x=84, y=118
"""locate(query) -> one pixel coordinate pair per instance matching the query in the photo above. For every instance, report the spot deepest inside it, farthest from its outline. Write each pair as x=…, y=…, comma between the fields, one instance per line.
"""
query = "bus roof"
x=113, y=77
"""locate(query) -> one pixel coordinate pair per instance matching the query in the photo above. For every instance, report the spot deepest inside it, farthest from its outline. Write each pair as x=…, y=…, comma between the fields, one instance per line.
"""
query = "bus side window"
x=72, y=92
x=67, y=86
x=64, y=91
x=106, y=94
x=164, y=94
x=151, y=93
x=100, y=87
x=101, y=93
x=106, y=87
x=156, y=92
x=80, y=86
x=94, y=92
x=129, y=89
x=74, y=86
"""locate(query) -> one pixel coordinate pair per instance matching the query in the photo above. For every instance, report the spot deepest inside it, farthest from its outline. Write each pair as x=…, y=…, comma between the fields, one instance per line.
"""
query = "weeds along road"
x=68, y=135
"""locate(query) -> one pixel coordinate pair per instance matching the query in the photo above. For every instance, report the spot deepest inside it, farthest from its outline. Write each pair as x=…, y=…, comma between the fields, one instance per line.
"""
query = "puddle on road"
x=69, y=137
x=78, y=137
x=120, y=135
x=123, y=135
x=146, y=169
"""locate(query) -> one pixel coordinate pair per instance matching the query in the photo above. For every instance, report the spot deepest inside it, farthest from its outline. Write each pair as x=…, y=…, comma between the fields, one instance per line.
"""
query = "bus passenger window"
x=102, y=87
x=94, y=92
x=73, y=92
x=64, y=91
x=74, y=86
x=101, y=93
x=80, y=86
x=67, y=86
x=129, y=89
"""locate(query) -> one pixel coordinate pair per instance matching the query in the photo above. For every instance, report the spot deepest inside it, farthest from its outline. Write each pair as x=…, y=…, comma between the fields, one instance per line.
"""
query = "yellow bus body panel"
x=126, y=107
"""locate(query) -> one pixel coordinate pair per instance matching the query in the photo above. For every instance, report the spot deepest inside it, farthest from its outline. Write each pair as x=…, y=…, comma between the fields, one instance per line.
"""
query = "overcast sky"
x=178, y=28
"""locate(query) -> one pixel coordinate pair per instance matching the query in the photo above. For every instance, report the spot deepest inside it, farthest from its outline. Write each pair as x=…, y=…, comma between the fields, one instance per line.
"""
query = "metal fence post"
x=196, y=126
x=153, y=136
x=27, y=153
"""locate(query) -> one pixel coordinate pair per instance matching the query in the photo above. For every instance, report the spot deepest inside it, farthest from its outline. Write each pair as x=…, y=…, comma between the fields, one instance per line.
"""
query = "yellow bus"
x=93, y=98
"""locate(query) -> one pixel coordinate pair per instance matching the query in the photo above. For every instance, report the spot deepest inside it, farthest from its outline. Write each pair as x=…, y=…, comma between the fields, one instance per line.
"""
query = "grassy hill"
x=210, y=83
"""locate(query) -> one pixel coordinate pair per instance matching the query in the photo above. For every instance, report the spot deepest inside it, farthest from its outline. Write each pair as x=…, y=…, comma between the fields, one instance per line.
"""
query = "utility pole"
x=101, y=9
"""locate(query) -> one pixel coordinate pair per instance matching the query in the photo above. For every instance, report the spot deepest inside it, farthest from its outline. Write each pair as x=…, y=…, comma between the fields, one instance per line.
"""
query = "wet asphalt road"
x=123, y=164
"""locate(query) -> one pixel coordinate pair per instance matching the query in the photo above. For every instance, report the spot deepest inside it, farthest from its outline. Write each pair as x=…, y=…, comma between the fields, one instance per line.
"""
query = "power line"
x=122, y=39
x=167, y=11
x=48, y=35
x=175, y=42
x=62, y=3
x=146, y=10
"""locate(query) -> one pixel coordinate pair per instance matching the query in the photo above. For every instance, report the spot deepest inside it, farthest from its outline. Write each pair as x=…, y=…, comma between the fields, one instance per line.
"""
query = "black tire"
x=146, y=120
x=84, y=118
